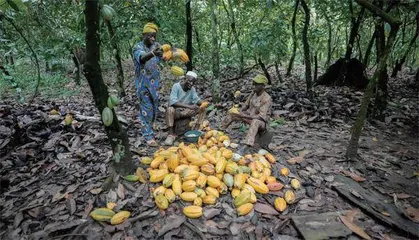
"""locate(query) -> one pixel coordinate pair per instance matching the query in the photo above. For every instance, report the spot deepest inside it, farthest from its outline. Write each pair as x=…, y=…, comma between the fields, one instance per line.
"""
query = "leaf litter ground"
x=55, y=172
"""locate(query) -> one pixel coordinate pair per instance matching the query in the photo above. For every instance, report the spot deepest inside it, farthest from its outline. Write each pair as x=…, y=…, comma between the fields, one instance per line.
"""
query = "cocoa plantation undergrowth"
x=52, y=172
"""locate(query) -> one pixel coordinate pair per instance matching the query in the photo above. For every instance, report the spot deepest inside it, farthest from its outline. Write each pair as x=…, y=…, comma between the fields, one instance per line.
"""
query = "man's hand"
x=158, y=52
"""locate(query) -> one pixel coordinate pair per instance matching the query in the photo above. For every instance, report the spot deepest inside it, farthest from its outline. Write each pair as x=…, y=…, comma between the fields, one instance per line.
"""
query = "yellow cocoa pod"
x=209, y=199
x=158, y=175
x=110, y=205
x=173, y=162
x=170, y=195
x=177, y=185
x=256, y=174
x=264, y=162
x=120, y=217
x=232, y=167
x=221, y=165
x=159, y=190
x=253, y=198
x=168, y=180
x=270, y=179
x=208, y=169
x=157, y=161
x=186, y=151
x=289, y=197
x=184, y=57
x=203, y=149
x=295, y=184
x=242, y=198
x=165, y=153
x=193, y=167
x=223, y=189
x=242, y=162
x=244, y=209
x=131, y=178
x=173, y=149
x=259, y=166
x=234, y=110
x=235, y=192
x=161, y=201
x=223, y=138
x=188, y=186
x=146, y=160
x=189, y=174
x=167, y=55
x=197, y=160
x=204, y=104
x=248, y=187
x=262, y=177
x=270, y=158
x=197, y=202
x=228, y=180
x=239, y=180
x=201, y=181
x=212, y=191
x=244, y=169
x=102, y=214
x=142, y=175
x=213, y=181
x=177, y=71
x=258, y=185
x=200, y=192
x=179, y=169
x=252, y=166
x=227, y=154
x=188, y=196
x=267, y=172
x=166, y=47
x=285, y=171
x=280, y=204
x=192, y=211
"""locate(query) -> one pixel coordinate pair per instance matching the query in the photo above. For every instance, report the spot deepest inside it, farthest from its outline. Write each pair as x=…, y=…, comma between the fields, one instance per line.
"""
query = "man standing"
x=255, y=112
x=147, y=54
x=183, y=103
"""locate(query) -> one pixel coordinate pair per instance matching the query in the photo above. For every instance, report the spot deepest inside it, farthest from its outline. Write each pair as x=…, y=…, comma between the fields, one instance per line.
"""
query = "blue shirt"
x=178, y=95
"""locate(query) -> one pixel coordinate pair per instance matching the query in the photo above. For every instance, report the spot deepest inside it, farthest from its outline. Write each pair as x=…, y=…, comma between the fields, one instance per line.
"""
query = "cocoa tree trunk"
x=117, y=55
x=92, y=71
x=236, y=37
x=278, y=74
x=368, y=51
x=294, y=39
x=307, y=61
x=402, y=60
x=315, y=67
x=329, y=41
x=215, y=54
x=189, y=49
x=265, y=70
x=352, y=149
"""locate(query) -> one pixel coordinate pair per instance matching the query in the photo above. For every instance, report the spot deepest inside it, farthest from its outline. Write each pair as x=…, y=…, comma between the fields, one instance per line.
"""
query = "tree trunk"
x=352, y=150
x=329, y=41
x=92, y=71
x=368, y=51
x=215, y=54
x=117, y=55
x=278, y=73
x=315, y=67
x=189, y=49
x=381, y=89
x=236, y=36
x=294, y=39
x=197, y=39
x=402, y=60
x=358, y=41
x=265, y=70
x=306, y=46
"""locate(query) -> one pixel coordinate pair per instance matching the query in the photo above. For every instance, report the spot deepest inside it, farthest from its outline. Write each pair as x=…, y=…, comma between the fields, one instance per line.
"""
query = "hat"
x=150, y=28
x=260, y=79
x=192, y=74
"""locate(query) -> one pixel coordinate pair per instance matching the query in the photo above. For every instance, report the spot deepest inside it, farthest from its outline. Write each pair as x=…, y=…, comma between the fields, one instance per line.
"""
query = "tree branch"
x=379, y=12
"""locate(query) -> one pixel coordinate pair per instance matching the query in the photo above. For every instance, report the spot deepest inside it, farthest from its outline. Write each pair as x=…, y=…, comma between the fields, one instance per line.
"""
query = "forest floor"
x=56, y=171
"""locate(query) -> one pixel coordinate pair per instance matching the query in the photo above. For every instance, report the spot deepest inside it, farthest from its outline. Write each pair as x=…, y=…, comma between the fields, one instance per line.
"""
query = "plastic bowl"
x=192, y=136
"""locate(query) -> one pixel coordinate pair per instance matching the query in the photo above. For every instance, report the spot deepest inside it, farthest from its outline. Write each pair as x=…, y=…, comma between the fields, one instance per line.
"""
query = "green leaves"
x=16, y=5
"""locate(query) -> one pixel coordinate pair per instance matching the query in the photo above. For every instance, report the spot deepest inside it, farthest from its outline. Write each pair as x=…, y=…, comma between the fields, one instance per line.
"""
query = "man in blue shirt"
x=183, y=103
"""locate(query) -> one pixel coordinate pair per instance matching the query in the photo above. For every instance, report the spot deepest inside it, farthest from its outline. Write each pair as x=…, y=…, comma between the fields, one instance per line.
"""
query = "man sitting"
x=255, y=112
x=183, y=103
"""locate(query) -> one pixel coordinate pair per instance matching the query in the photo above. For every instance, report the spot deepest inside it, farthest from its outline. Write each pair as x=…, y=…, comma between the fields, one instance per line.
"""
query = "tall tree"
x=236, y=35
x=189, y=29
x=117, y=55
x=402, y=60
x=215, y=54
x=294, y=39
x=306, y=46
x=116, y=134
x=329, y=40
x=352, y=149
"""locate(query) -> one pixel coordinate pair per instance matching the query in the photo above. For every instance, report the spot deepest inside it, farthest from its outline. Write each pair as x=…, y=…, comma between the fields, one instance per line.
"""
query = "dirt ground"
x=56, y=171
